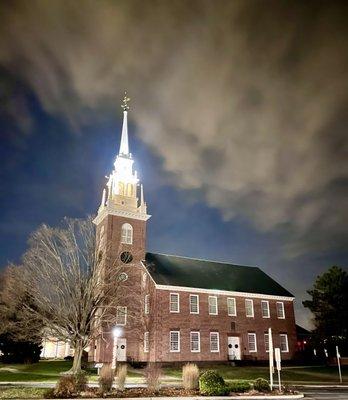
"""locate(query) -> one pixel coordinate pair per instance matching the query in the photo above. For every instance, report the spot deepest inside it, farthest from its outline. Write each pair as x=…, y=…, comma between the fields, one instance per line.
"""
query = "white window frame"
x=171, y=341
x=267, y=308
x=218, y=342
x=126, y=233
x=284, y=335
x=255, y=339
x=197, y=297
x=233, y=299
x=124, y=313
x=266, y=340
x=216, y=305
x=171, y=302
x=280, y=303
x=250, y=301
x=146, y=342
x=198, y=340
x=147, y=304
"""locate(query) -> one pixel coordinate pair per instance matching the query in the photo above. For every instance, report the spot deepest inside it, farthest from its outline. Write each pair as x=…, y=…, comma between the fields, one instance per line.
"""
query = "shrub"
x=262, y=385
x=212, y=384
x=106, y=378
x=121, y=375
x=66, y=386
x=239, y=386
x=153, y=373
x=190, y=376
x=81, y=381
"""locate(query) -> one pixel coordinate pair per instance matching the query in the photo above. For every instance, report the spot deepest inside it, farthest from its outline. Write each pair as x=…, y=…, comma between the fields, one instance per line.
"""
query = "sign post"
x=271, y=360
x=338, y=356
x=278, y=363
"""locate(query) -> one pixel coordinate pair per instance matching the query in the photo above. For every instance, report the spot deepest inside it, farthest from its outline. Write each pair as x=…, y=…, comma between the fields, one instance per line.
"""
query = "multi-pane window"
x=252, y=342
x=146, y=342
x=194, y=304
x=174, y=306
x=147, y=304
x=195, y=342
x=213, y=306
x=127, y=234
x=121, y=315
x=266, y=342
x=284, y=346
x=231, y=306
x=280, y=310
x=214, y=342
x=249, y=308
x=174, y=341
x=265, y=309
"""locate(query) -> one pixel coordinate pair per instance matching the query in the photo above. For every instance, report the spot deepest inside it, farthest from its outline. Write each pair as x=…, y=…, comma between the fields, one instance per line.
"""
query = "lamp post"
x=116, y=332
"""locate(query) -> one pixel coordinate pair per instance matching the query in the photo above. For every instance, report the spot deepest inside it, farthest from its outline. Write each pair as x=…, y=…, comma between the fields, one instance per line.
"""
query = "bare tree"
x=71, y=288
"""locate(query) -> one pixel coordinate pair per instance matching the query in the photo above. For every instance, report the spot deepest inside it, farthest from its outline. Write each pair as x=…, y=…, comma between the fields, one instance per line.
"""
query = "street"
x=325, y=394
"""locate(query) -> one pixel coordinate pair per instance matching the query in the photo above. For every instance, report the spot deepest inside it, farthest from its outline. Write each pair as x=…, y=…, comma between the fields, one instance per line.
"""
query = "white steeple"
x=124, y=147
x=122, y=185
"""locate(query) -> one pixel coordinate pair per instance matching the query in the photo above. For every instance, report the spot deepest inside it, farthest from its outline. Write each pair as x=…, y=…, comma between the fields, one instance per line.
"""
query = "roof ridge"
x=203, y=259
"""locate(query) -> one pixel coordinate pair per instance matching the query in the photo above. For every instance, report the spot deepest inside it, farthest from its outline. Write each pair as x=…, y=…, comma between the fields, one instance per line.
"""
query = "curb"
x=259, y=397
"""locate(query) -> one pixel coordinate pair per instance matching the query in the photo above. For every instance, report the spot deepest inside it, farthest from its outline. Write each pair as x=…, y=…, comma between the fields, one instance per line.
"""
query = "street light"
x=116, y=332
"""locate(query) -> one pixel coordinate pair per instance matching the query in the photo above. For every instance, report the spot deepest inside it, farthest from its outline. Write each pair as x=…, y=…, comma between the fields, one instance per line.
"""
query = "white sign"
x=277, y=358
x=98, y=365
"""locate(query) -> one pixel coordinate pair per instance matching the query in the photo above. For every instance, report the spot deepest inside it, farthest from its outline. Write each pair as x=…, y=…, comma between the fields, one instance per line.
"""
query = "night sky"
x=238, y=125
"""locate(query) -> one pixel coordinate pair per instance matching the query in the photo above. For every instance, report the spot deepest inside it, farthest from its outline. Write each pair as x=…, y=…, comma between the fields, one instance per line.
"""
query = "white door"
x=234, y=352
x=121, y=349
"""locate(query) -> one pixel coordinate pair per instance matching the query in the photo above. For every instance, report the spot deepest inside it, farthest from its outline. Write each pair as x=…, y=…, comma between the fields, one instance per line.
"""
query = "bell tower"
x=121, y=237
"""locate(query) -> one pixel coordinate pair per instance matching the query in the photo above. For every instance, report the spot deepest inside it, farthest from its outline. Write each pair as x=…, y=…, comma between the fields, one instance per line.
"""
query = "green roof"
x=190, y=272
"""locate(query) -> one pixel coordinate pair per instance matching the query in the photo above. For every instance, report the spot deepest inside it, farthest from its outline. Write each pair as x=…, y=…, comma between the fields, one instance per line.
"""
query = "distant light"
x=304, y=342
x=117, y=331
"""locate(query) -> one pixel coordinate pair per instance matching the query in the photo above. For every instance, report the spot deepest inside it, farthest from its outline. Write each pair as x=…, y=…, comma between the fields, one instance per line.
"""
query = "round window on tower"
x=126, y=257
x=122, y=277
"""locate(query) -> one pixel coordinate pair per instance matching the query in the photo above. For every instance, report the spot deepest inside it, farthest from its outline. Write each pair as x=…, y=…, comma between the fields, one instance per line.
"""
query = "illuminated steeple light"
x=122, y=187
x=124, y=146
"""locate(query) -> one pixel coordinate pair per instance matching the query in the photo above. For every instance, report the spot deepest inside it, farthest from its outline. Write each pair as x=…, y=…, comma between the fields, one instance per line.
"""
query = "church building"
x=186, y=309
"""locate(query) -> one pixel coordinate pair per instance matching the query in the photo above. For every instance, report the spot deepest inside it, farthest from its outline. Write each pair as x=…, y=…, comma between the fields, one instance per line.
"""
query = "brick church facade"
x=181, y=309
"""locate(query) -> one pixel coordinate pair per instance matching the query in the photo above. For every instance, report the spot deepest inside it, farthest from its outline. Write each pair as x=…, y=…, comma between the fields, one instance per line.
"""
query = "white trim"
x=197, y=297
x=252, y=334
x=286, y=342
x=170, y=303
x=221, y=292
x=252, y=308
x=283, y=309
x=268, y=312
x=170, y=342
x=146, y=342
x=218, y=342
x=109, y=210
x=216, y=305
x=199, y=342
x=264, y=339
x=147, y=304
x=235, y=307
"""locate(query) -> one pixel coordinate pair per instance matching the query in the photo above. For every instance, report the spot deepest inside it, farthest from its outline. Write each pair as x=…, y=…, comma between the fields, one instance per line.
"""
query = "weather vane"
x=125, y=101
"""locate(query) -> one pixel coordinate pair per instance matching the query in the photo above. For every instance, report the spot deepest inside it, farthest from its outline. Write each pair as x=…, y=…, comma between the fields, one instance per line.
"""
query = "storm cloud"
x=246, y=102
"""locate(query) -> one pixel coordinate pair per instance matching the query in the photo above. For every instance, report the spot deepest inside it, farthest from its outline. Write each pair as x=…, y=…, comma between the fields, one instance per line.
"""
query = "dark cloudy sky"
x=238, y=124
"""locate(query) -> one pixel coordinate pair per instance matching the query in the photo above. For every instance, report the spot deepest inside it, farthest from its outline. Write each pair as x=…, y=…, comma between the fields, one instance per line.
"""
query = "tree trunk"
x=78, y=350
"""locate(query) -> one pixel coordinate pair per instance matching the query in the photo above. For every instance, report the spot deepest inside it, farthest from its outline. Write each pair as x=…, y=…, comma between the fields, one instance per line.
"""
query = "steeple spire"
x=124, y=146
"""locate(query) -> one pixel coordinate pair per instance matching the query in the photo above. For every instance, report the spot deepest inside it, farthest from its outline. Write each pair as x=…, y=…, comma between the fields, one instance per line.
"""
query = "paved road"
x=326, y=394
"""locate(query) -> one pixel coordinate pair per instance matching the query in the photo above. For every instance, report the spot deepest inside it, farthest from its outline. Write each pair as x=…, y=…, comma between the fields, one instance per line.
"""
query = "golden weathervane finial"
x=125, y=101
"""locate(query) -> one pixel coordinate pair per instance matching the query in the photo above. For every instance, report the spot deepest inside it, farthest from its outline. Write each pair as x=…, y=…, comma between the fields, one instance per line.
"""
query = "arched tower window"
x=129, y=189
x=127, y=234
x=121, y=188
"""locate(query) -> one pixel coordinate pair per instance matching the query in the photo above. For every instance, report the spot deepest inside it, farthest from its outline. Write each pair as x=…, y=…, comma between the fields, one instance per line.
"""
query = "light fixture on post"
x=116, y=332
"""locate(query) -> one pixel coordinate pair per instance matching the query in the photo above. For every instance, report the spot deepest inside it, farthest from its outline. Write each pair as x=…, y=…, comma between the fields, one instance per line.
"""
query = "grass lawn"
x=22, y=393
x=42, y=371
x=319, y=375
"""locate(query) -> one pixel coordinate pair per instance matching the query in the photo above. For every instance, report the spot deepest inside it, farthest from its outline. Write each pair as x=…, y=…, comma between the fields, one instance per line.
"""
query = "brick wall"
x=205, y=323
